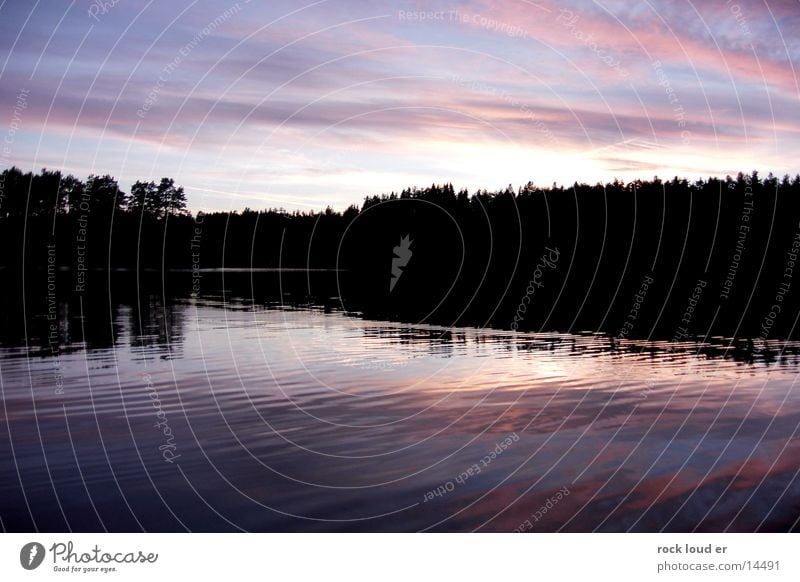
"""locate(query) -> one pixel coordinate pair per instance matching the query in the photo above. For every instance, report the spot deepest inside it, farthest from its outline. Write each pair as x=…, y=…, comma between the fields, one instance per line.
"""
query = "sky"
x=302, y=105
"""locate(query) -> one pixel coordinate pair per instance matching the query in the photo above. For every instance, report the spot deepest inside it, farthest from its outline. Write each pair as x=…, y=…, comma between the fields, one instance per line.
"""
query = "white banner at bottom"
x=399, y=557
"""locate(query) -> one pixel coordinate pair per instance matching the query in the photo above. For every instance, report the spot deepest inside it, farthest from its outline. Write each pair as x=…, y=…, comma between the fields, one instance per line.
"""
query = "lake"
x=206, y=414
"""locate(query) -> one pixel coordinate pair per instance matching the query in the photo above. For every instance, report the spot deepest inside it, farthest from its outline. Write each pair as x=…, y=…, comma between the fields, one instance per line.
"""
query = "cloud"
x=342, y=80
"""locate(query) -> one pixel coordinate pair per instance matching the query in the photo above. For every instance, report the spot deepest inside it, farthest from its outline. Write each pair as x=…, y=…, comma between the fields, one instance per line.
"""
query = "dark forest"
x=670, y=259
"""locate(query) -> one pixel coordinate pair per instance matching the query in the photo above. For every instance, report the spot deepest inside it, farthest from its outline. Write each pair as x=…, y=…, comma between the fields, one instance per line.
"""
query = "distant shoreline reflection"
x=306, y=418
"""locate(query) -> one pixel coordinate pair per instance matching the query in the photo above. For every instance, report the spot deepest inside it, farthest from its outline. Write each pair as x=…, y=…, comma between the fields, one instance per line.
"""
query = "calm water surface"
x=221, y=417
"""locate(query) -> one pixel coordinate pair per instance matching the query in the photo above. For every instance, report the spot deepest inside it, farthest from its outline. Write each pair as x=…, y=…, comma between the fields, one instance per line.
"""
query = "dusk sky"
x=302, y=105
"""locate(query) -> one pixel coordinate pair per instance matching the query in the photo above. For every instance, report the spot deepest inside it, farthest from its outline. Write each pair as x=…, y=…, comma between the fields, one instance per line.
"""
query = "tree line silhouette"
x=717, y=253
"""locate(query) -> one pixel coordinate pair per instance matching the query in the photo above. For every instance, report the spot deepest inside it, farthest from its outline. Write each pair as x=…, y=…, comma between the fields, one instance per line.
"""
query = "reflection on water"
x=198, y=415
